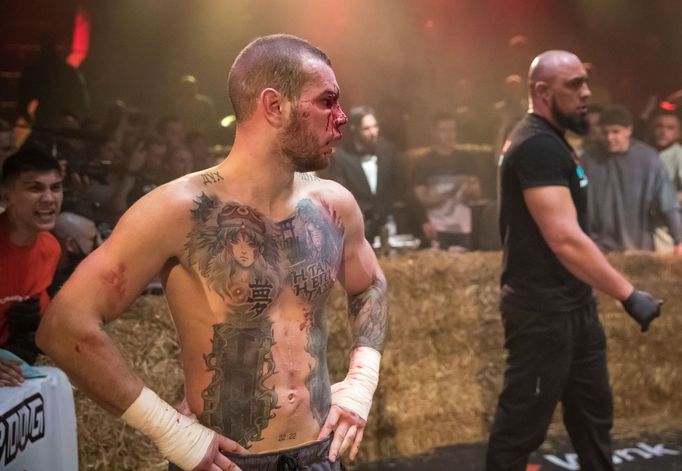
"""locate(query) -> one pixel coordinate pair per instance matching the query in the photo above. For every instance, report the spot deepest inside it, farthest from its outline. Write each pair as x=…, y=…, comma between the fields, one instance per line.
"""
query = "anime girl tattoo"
x=235, y=250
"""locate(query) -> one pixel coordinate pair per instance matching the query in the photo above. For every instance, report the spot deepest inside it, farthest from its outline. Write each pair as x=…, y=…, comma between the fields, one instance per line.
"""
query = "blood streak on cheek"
x=337, y=114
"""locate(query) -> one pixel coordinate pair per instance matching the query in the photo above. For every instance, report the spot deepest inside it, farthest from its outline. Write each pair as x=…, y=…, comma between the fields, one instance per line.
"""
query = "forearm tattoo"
x=247, y=260
x=369, y=315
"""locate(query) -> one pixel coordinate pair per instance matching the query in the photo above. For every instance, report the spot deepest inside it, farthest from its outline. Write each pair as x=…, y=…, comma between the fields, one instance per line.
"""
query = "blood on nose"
x=340, y=117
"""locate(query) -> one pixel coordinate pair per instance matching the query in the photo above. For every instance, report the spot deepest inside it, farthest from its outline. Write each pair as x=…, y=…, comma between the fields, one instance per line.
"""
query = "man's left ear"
x=71, y=245
x=275, y=106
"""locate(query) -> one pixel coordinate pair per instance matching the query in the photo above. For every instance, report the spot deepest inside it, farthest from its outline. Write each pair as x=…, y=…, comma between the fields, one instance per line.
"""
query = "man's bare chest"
x=247, y=260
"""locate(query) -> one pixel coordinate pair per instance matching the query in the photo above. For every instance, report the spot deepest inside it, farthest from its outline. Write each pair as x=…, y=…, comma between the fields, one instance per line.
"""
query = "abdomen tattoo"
x=246, y=260
x=314, y=238
x=237, y=403
x=235, y=250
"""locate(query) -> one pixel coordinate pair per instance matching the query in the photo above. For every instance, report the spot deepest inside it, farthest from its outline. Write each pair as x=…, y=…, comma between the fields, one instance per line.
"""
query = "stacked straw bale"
x=442, y=367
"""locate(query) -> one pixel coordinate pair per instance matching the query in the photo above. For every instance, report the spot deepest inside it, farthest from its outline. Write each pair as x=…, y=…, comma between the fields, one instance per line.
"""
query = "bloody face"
x=315, y=121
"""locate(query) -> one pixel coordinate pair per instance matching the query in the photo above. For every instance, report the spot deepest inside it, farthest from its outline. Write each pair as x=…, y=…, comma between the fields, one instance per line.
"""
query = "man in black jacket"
x=365, y=165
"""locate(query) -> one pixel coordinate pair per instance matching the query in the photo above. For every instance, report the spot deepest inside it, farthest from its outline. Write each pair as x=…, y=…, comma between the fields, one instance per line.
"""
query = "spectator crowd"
x=67, y=177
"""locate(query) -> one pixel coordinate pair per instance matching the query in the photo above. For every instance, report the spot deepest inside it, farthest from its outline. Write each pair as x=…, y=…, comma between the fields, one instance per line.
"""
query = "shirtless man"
x=248, y=252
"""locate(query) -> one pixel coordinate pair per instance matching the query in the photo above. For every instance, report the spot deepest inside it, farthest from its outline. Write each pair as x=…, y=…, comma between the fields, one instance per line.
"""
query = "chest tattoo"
x=247, y=260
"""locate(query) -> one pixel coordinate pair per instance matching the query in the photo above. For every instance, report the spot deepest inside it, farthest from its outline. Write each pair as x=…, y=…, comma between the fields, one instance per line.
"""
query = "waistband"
x=287, y=459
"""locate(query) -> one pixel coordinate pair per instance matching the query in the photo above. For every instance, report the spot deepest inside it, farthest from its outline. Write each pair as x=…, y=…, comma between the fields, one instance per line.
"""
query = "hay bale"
x=442, y=366
x=644, y=367
x=434, y=378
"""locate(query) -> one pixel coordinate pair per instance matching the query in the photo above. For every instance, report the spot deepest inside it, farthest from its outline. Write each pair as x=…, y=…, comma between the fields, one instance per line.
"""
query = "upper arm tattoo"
x=369, y=315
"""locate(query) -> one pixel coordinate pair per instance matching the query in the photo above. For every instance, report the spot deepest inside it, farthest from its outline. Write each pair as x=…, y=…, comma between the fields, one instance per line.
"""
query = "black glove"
x=24, y=317
x=22, y=320
x=643, y=308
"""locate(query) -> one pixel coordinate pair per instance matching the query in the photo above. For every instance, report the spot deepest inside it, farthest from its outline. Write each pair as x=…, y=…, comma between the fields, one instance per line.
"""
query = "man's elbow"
x=56, y=328
x=561, y=242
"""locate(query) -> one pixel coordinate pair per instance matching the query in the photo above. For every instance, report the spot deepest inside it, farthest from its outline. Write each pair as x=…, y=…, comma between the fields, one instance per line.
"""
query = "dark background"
x=411, y=57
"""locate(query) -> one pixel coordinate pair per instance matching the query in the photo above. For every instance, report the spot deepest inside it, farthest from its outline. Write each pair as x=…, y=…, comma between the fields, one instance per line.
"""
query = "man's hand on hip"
x=214, y=458
x=348, y=428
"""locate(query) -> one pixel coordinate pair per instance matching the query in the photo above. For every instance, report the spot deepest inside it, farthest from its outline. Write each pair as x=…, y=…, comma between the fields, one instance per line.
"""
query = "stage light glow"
x=228, y=120
x=80, y=42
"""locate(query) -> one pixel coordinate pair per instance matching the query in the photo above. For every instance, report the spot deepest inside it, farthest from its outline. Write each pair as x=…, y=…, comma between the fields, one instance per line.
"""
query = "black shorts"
x=312, y=457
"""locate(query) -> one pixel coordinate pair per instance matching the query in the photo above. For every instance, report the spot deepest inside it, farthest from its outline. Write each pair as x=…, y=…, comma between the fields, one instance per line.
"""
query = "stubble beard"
x=576, y=122
x=300, y=146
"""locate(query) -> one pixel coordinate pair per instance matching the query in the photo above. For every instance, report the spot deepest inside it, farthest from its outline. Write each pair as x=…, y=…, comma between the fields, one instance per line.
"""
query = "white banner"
x=38, y=424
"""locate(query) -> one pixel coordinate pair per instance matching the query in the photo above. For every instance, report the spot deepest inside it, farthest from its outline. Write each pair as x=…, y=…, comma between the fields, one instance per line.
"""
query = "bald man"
x=78, y=236
x=555, y=342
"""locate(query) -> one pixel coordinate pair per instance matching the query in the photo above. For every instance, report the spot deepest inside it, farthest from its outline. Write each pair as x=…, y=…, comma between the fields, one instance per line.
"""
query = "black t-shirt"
x=446, y=176
x=533, y=279
x=433, y=163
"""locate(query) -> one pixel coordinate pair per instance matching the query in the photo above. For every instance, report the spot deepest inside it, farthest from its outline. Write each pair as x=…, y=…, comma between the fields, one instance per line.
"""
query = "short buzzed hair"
x=615, y=115
x=29, y=158
x=274, y=61
x=665, y=112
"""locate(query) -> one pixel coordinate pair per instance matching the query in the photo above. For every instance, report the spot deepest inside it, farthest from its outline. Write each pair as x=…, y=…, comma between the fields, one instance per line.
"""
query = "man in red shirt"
x=31, y=185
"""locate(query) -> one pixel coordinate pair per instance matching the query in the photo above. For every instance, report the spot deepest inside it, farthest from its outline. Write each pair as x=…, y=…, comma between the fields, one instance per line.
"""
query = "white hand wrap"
x=180, y=439
x=355, y=392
